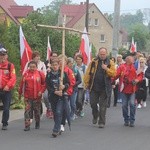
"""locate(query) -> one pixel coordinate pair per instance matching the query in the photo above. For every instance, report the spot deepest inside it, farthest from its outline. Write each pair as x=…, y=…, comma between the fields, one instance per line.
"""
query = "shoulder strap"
x=9, y=66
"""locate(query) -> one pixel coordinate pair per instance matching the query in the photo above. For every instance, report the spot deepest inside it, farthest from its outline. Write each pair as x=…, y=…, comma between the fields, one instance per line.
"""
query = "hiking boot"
x=37, y=125
x=27, y=128
x=4, y=127
x=101, y=125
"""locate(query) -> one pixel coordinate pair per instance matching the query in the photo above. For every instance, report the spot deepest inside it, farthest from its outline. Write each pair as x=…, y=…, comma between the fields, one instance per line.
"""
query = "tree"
x=140, y=34
x=128, y=20
x=55, y=4
x=146, y=13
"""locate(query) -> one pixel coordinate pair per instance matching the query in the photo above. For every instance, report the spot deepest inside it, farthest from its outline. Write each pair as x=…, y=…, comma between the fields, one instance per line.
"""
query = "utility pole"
x=87, y=16
x=116, y=28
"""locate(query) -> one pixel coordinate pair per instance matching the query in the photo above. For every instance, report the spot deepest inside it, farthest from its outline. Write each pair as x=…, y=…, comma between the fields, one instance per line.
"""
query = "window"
x=90, y=22
x=96, y=22
x=102, y=38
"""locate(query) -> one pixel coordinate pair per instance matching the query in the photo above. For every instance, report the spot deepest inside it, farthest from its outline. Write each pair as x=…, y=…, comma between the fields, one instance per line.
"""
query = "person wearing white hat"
x=7, y=82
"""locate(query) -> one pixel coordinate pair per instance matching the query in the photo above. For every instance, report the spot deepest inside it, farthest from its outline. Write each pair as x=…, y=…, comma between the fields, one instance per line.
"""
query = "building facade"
x=100, y=29
x=11, y=12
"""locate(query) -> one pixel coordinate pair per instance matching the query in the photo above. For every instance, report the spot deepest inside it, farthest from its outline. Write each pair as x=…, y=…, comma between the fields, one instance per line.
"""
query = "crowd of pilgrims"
x=65, y=102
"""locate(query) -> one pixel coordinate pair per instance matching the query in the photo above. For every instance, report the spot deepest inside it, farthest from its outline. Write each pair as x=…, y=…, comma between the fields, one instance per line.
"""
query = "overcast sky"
x=103, y=5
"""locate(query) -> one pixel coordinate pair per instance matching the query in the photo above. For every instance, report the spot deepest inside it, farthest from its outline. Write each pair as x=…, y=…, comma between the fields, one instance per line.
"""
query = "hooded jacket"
x=7, y=75
x=127, y=74
x=31, y=84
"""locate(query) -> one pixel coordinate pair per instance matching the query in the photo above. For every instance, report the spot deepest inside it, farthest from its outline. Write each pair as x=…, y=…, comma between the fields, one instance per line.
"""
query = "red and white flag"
x=25, y=50
x=133, y=46
x=89, y=54
x=84, y=47
x=49, y=50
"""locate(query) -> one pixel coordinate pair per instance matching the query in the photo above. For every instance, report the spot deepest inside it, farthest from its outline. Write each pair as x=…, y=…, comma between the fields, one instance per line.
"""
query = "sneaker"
x=139, y=106
x=81, y=114
x=131, y=125
x=62, y=128
x=76, y=116
x=55, y=134
x=101, y=125
x=94, y=121
x=144, y=104
x=126, y=124
x=4, y=127
x=73, y=118
x=27, y=129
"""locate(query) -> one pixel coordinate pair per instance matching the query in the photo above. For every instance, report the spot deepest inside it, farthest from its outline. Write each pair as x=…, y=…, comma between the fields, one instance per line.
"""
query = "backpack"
x=147, y=72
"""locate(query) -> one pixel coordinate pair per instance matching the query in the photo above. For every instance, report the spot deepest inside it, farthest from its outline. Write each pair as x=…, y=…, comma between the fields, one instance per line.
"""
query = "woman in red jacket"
x=32, y=86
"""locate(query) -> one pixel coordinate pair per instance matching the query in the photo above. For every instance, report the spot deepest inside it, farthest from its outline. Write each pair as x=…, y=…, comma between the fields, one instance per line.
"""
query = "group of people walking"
x=65, y=88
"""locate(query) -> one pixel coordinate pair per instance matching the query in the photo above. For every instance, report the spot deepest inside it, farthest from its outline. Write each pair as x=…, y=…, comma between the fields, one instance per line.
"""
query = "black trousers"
x=101, y=99
x=115, y=90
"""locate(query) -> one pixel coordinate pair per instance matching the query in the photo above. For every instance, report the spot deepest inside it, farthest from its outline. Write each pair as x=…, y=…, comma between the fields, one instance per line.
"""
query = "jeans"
x=58, y=105
x=6, y=100
x=128, y=100
x=73, y=98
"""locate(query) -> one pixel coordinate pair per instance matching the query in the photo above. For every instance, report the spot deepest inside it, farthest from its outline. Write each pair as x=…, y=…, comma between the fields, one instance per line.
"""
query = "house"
x=11, y=12
x=100, y=29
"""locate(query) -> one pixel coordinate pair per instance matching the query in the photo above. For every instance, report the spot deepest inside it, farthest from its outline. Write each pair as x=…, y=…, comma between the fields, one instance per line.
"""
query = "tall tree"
x=55, y=4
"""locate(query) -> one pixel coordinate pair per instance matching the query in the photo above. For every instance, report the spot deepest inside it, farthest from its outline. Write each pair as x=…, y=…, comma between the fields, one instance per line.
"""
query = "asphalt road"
x=84, y=135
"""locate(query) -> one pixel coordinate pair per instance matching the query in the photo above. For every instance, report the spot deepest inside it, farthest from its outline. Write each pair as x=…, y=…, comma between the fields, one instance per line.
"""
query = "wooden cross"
x=63, y=28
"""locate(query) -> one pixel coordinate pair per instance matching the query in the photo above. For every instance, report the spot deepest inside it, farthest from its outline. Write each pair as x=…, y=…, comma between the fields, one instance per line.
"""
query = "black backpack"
x=147, y=72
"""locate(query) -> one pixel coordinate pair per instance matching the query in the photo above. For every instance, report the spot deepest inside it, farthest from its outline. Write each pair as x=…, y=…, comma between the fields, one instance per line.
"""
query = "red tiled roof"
x=73, y=11
x=6, y=5
x=20, y=11
x=13, y=10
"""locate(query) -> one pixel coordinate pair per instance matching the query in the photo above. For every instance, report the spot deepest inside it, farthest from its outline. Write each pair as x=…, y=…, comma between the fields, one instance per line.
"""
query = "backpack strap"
x=8, y=67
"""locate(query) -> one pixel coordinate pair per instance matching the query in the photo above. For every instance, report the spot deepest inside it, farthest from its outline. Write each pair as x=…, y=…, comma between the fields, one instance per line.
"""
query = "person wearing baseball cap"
x=7, y=82
x=3, y=51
